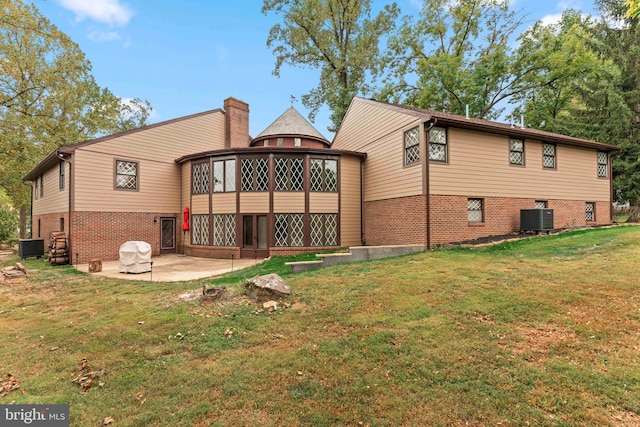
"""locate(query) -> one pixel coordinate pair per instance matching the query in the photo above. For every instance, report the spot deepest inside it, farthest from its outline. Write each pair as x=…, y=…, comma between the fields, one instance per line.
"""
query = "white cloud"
x=550, y=19
x=102, y=36
x=106, y=11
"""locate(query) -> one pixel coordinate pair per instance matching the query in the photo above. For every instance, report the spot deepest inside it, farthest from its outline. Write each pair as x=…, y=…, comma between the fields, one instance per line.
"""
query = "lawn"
x=540, y=332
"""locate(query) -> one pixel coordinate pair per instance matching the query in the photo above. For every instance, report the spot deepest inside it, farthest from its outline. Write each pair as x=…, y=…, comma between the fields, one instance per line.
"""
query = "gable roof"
x=290, y=123
x=455, y=120
x=55, y=156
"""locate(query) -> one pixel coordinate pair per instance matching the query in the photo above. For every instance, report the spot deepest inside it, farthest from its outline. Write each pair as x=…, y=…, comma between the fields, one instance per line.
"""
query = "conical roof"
x=291, y=123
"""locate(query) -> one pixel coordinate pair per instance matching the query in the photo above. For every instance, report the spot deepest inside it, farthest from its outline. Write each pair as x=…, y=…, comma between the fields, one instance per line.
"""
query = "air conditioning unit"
x=536, y=219
x=30, y=248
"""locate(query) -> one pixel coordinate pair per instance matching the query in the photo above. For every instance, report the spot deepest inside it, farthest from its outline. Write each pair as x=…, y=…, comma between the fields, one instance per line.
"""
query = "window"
x=297, y=142
x=255, y=174
x=224, y=230
x=474, y=210
x=590, y=211
x=324, y=175
x=516, y=151
x=438, y=144
x=541, y=204
x=280, y=142
x=288, y=230
x=549, y=156
x=224, y=176
x=603, y=164
x=61, y=224
x=324, y=229
x=411, y=146
x=41, y=186
x=61, y=173
x=289, y=174
x=200, y=230
x=126, y=175
x=200, y=178
x=36, y=190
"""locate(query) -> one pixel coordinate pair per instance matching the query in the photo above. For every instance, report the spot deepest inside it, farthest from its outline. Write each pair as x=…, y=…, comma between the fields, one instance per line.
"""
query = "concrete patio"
x=175, y=268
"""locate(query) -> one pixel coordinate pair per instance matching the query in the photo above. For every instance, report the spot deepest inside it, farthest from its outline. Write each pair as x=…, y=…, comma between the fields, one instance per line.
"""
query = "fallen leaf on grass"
x=85, y=377
x=107, y=421
x=228, y=333
x=141, y=322
x=8, y=384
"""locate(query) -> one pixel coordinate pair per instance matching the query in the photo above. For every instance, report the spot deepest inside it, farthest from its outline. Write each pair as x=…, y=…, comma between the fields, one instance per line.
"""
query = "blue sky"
x=187, y=56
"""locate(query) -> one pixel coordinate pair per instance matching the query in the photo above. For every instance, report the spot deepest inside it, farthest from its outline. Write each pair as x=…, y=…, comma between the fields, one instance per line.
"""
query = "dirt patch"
x=539, y=340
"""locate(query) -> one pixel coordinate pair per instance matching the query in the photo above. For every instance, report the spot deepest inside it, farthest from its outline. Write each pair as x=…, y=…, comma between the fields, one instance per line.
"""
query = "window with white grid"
x=516, y=151
x=224, y=230
x=200, y=178
x=541, y=204
x=289, y=174
x=324, y=175
x=603, y=164
x=549, y=156
x=323, y=229
x=200, y=230
x=254, y=174
x=474, y=210
x=411, y=146
x=438, y=144
x=224, y=176
x=126, y=175
x=288, y=230
x=590, y=211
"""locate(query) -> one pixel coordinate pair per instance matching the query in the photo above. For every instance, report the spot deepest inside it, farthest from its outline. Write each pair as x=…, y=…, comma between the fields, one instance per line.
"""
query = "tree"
x=339, y=38
x=634, y=8
x=8, y=219
x=48, y=97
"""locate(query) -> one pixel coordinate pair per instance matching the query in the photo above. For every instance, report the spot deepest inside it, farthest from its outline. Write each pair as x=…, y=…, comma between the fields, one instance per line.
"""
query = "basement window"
x=590, y=211
x=475, y=210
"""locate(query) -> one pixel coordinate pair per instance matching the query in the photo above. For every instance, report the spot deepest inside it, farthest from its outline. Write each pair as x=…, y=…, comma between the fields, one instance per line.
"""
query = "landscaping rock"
x=213, y=294
x=265, y=288
x=270, y=305
x=14, y=272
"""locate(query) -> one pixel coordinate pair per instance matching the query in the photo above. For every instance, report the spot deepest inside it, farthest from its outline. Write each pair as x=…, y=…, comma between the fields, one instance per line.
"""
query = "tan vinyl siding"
x=54, y=200
x=350, y=202
x=224, y=203
x=155, y=150
x=288, y=202
x=379, y=132
x=200, y=204
x=323, y=202
x=479, y=166
x=254, y=202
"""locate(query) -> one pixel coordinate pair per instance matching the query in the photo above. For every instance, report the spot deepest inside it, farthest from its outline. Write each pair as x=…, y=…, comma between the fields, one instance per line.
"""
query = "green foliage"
x=48, y=97
x=8, y=219
x=338, y=37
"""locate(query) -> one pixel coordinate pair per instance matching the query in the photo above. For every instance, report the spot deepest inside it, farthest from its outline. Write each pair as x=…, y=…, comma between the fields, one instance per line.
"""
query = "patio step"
x=300, y=266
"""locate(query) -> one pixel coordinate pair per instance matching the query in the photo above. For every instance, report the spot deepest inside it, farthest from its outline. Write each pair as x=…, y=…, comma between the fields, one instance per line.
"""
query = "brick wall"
x=47, y=224
x=100, y=234
x=400, y=221
x=221, y=252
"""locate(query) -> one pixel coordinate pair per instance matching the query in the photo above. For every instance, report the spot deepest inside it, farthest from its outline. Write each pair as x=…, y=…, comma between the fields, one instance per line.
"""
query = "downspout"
x=431, y=123
x=610, y=171
x=362, y=201
x=70, y=241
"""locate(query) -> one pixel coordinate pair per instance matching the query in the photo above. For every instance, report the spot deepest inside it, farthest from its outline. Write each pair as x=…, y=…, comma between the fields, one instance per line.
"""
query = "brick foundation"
x=99, y=235
x=402, y=221
x=43, y=225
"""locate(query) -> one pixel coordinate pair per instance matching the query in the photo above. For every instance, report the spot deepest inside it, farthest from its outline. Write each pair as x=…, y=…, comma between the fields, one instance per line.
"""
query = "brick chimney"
x=236, y=123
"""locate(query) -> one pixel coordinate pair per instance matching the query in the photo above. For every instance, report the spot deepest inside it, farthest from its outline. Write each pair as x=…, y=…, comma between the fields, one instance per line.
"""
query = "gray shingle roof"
x=291, y=123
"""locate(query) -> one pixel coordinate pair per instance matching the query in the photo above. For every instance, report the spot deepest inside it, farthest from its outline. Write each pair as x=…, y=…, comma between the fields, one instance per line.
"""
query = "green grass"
x=542, y=331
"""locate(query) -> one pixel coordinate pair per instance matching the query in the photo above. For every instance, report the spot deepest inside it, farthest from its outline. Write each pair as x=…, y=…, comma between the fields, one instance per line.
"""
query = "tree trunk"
x=23, y=222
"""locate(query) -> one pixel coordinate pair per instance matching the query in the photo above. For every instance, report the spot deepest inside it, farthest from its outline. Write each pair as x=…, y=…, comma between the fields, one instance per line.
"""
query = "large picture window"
x=324, y=175
x=126, y=175
x=255, y=174
x=224, y=176
x=438, y=144
x=200, y=178
x=411, y=146
x=289, y=174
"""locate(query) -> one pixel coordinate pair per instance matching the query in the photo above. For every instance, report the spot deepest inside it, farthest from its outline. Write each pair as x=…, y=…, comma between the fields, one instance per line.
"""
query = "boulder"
x=266, y=288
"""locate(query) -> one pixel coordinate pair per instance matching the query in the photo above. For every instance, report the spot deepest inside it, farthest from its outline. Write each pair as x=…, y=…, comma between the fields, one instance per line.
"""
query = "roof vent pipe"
x=467, y=115
x=522, y=121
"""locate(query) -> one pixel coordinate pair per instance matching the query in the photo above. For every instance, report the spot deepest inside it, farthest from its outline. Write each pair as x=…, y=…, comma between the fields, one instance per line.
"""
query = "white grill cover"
x=135, y=257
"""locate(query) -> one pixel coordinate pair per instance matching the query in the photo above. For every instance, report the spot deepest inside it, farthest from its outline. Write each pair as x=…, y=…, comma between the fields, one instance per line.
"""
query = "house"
x=289, y=190
x=433, y=178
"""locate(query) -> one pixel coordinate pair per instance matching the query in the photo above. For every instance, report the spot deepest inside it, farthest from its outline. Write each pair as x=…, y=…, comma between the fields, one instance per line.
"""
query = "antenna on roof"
x=467, y=115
